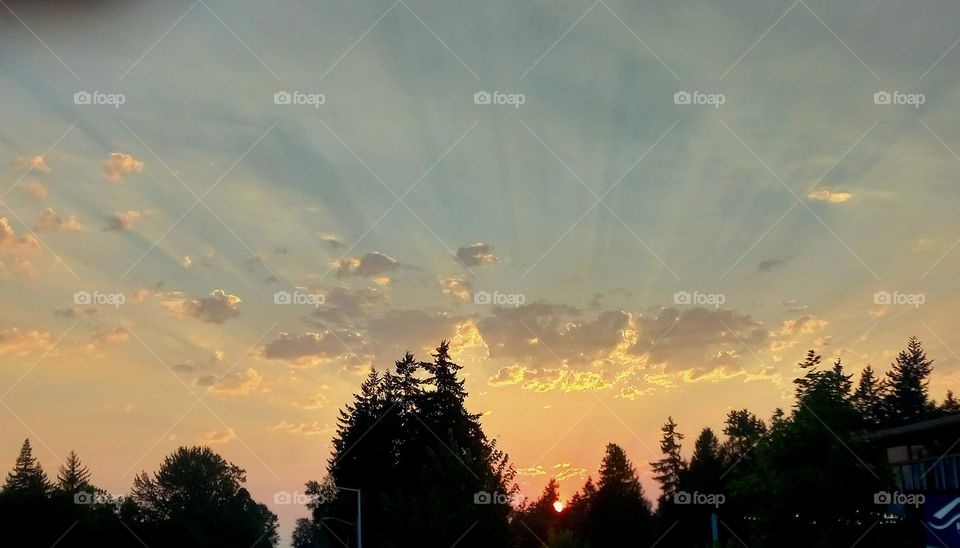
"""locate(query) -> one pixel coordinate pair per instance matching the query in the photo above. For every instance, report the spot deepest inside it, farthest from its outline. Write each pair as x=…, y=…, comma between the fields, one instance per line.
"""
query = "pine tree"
x=950, y=405
x=706, y=465
x=908, y=399
x=619, y=513
x=743, y=430
x=73, y=476
x=27, y=476
x=868, y=398
x=669, y=469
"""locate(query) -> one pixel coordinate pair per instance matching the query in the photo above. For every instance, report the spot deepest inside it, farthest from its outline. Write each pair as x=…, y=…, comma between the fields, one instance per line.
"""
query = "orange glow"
x=558, y=506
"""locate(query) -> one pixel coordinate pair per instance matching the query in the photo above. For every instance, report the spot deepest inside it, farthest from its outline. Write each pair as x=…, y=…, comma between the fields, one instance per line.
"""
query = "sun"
x=558, y=506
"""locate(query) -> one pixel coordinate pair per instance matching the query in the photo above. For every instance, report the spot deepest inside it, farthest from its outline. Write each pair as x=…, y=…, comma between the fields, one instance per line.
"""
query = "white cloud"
x=119, y=165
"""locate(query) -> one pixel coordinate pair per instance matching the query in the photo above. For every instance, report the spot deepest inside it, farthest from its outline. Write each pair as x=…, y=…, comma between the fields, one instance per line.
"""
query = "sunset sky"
x=781, y=211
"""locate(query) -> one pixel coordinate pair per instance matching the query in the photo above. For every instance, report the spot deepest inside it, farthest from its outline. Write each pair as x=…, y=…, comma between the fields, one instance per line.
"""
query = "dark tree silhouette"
x=907, y=399
x=619, y=513
x=868, y=399
x=27, y=477
x=73, y=476
x=197, y=499
x=669, y=469
x=426, y=471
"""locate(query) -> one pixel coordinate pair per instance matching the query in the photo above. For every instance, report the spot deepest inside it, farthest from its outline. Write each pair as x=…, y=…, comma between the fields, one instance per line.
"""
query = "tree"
x=667, y=471
x=950, y=405
x=743, y=430
x=907, y=399
x=27, y=476
x=619, y=513
x=425, y=467
x=73, y=476
x=868, y=398
x=197, y=499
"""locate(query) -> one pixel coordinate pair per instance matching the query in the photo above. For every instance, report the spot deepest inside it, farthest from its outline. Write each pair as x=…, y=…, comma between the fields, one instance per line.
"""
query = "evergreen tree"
x=73, y=476
x=950, y=405
x=868, y=398
x=619, y=513
x=743, y=430
x=907, y=399
x=27, y=476
x=669, y=469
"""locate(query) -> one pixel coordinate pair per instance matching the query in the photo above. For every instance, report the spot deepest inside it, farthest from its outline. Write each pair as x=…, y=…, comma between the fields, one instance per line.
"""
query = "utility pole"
x=359, y=522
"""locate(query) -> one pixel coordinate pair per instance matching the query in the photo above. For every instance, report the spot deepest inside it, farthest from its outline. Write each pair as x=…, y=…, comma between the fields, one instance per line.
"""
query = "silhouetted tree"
x=197, y=499
x=950, y=405
x=426, y=470
x=907, y=399
x=868, y=398
x=619, y=513
x=667, y=471
x=73, y=476
x=27, y=476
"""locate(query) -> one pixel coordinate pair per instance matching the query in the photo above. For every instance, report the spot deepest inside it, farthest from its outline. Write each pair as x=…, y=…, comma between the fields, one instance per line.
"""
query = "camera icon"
x=282, y=297
x=882, y=98
x=682, y=98
x=482, y=297
x=682, y=297
x=681, y=497
x=82, y=98
x=83, y=497
x=882, y=297
x=882, y=497
x=82, y=297
x=282, y=98
x=482, y=98
x=282, y=497
x=482, y=497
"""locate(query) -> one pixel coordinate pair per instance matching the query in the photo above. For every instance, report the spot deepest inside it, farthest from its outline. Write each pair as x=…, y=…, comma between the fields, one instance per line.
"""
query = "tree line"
x=412, y=467
x=195, y=499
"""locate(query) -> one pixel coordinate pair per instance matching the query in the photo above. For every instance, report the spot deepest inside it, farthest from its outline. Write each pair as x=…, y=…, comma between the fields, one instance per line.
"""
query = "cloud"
x=20, y=342
x=140, y=294
x=477, y=254
x=232, y=384
x=218, y=436
x=111, y=337
x=19, y=268
x=307, y=349
x=346, y=307
x=119, y=165
x=76, y=313
x=804, y=324
x=219, y=307
x=11, y=244
x=303, y=428
x=124, y=220
x=49, y=220
x=332, y=240
x=371, y=265
x=32, y=163
x=824, y=194
x=35, y=190
x=771, y=264
x=456, y=286
x=507, y=376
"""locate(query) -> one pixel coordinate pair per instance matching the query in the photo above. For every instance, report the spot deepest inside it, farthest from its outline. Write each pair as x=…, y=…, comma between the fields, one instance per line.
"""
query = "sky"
x=659, y=209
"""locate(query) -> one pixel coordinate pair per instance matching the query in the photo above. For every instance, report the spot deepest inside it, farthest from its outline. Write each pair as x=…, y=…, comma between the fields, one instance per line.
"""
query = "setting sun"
x=558, y=506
